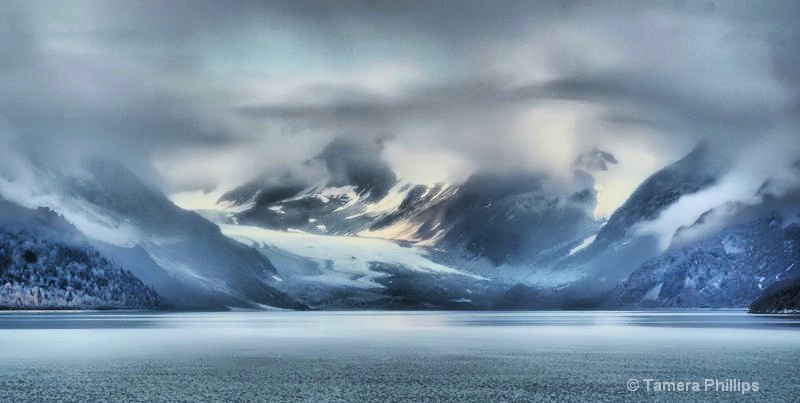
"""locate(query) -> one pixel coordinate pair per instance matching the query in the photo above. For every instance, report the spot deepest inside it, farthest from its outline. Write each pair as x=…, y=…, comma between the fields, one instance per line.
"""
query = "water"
x=394, y=356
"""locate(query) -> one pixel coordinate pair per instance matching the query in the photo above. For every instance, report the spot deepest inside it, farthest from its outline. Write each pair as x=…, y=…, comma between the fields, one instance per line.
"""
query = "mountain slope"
x=495, y=225
x=327, y=271
x=36, y=274
x=189, y=247
x=46, y=263
x=492, y=219
x=124, y=217
x=728, y=269
x=503, y=217
x=509, y=218
x=724, y=259
x=618, y=247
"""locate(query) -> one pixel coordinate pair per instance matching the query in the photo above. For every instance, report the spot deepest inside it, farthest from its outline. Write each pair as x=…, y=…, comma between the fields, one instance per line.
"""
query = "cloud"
x=203, y=96
x=761, y=172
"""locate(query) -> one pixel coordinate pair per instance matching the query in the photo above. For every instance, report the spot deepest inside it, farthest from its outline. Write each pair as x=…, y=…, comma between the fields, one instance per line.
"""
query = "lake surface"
x=395, y=356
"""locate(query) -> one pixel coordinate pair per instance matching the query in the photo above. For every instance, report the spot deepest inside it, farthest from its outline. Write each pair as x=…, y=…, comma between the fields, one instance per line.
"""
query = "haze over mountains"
x=411, y=154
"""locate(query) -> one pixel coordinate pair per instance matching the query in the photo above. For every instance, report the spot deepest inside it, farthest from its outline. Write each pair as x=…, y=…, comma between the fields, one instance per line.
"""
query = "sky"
x=201, y=96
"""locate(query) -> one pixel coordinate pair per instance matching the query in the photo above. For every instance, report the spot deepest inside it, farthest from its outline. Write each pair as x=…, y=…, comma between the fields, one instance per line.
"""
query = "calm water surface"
x=393, y=356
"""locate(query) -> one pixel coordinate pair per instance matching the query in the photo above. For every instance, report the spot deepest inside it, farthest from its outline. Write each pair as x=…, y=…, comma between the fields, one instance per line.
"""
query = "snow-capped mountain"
x=518, y=228
x=345, y=234
x=353, y=234
x=497, y=218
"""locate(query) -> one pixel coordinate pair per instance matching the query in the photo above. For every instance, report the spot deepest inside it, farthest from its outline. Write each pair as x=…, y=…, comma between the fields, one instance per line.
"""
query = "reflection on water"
x=75, y=320
x=733, y=318
x=672, y=319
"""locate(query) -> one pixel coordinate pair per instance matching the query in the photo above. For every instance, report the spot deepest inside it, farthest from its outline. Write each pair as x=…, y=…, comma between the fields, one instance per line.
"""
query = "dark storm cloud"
x=662, y=103
x=186, y=90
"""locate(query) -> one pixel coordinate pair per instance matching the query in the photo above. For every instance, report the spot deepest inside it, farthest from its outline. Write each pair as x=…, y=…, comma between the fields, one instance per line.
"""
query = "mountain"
x=782, y=297
x=726, y=258
x=181, y=255
x=317, y=197
x=46, y=263
x=344, y=231
x=37, y=274
x=730, y=268
x=697, y=171
x=344, y=239
x=491, y=219
x=334, y=271
x=619, y=247
x=509, y=218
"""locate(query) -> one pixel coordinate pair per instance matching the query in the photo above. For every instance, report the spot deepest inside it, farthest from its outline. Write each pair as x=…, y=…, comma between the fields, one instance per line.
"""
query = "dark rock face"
x=782, y=297
x=509, y=218
x=301, y=200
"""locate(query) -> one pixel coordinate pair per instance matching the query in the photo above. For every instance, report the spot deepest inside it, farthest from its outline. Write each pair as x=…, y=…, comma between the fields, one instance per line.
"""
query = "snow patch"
x=585, y=243
x=403, y=230
x=392, y=201
x=653, y=294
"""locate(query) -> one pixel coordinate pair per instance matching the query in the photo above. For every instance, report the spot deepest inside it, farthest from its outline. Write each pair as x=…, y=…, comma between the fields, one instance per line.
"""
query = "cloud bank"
x=200, y=96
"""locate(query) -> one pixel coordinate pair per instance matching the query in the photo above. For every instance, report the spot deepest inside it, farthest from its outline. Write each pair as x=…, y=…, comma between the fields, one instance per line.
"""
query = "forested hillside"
x=36, y=273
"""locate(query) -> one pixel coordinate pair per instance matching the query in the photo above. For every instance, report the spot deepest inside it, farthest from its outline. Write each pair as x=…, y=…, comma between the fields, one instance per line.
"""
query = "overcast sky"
x=200, y=96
